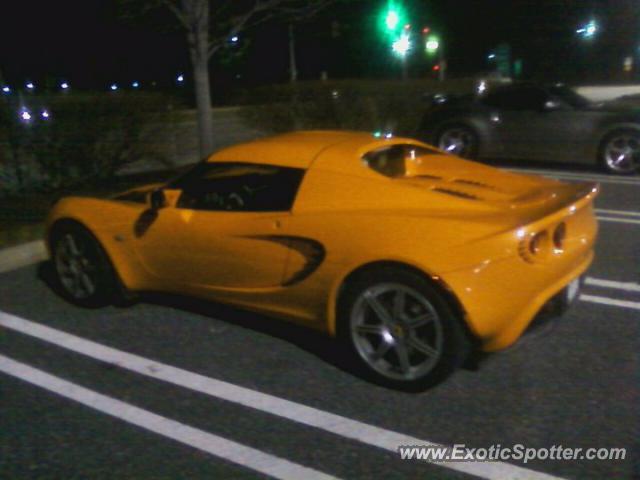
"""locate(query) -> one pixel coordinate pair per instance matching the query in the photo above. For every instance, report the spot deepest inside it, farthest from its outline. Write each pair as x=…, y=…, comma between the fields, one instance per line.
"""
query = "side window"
x=517, y=99
x=241, y=187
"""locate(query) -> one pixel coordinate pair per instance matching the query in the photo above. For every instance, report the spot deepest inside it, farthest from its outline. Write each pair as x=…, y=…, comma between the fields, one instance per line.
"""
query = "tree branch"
x=265, y=10
x=179, y=14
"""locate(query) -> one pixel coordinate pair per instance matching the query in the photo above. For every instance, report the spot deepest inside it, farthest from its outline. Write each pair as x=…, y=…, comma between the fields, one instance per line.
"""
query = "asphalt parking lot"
x=169, y=390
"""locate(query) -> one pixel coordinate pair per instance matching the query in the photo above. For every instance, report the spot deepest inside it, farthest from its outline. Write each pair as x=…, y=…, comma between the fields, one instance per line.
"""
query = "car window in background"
x=569, y=96
x=517, y=98
x=239, y=187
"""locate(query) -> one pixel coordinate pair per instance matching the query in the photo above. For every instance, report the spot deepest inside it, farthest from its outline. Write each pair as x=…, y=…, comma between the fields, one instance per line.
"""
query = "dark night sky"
x=85, y=42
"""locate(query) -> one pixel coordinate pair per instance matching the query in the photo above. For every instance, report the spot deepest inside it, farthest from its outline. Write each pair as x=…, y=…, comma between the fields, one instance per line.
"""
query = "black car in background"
x=534, y=122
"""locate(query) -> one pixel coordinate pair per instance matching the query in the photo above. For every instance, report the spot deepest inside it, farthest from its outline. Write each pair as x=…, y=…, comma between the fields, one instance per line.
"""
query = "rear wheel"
x=400, y=330
x=458, y=140
x=83, y=272
x=620, y=152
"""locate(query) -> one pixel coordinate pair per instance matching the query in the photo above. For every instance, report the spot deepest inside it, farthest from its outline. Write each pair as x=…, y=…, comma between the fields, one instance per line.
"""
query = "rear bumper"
x=502, y=300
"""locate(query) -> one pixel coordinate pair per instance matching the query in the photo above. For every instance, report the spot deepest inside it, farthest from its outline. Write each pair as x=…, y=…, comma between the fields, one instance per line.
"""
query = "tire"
x=399, y=331
x=458, y=140
x=82, y=270
x=619, y=152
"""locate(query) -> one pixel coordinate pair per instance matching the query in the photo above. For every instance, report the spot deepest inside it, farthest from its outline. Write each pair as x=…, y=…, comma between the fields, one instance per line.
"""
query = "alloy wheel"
x=76, y=266
x=622, y=153
x=397, y=331
x=457, y=141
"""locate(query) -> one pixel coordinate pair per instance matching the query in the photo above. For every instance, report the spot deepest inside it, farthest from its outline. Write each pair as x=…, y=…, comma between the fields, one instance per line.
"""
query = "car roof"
x=299, y=149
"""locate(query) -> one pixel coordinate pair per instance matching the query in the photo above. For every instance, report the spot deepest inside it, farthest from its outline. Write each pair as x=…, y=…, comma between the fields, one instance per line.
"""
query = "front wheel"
x=399, y=330
x=83, y=272
x=620, y=152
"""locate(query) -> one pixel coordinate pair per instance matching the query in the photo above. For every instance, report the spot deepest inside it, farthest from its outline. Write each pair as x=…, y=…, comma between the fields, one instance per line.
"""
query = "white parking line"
x=220, y=447
x=623, y=213
x=342, y=426
x=627, y=286
x=628, y=221
x=612, y=302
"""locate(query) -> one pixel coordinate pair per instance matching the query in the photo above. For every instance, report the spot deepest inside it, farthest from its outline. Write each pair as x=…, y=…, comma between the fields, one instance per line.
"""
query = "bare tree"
x=210, y=25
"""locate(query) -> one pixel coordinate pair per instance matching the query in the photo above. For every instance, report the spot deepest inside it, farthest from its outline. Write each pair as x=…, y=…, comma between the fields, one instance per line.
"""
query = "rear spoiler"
x=571, y=199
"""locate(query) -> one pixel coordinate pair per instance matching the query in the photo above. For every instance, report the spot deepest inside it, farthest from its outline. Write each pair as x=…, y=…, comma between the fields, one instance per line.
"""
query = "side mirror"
x=157, y=199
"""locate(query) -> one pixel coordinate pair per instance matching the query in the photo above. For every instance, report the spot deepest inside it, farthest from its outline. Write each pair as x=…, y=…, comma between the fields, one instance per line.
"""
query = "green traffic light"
x=392, y=20
x=392, y=17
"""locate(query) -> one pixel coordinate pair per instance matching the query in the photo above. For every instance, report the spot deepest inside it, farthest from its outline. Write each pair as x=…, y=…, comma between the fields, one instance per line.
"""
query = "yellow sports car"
x=412, y=257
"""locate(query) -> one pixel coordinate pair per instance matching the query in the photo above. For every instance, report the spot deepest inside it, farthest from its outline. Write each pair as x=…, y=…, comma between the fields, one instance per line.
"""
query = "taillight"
x=536, y=247
x=539, y=243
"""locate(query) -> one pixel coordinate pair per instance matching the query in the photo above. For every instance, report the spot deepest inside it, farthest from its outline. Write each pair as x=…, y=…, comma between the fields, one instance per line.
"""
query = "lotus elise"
x=411, y=257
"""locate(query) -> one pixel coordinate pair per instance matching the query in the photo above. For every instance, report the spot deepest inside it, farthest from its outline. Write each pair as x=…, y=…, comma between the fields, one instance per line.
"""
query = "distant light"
x=407, y=26
x=426, y=30
x=377, y=134
x=392, y=20
x=588, y=30
x=335, y=94
x=30, y=86
x=235, y=39
x=388, y=135
x=436, y=68
x=6, y=89
x=45, y=114
x=64, y=86
x=113, y=87
x=25, y=115
x=491, y=56
x=439, y=98
x=180, y=78
x=135, y=84
x=402, y=46
x=432, y=45
x=482, y=87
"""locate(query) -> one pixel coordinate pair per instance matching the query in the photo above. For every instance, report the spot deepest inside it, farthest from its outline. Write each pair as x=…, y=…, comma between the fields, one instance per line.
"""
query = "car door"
x=516, y=113
x=533, y=124
x=226, y=230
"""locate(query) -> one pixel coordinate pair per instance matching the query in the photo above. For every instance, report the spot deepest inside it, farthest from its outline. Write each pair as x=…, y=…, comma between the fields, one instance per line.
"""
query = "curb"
x=13, y=258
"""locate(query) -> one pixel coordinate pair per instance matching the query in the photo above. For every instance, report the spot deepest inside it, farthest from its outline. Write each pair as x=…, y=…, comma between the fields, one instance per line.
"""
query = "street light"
x=25, y=115
x=588, y=30
x=6, y=90
x=402, y=45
